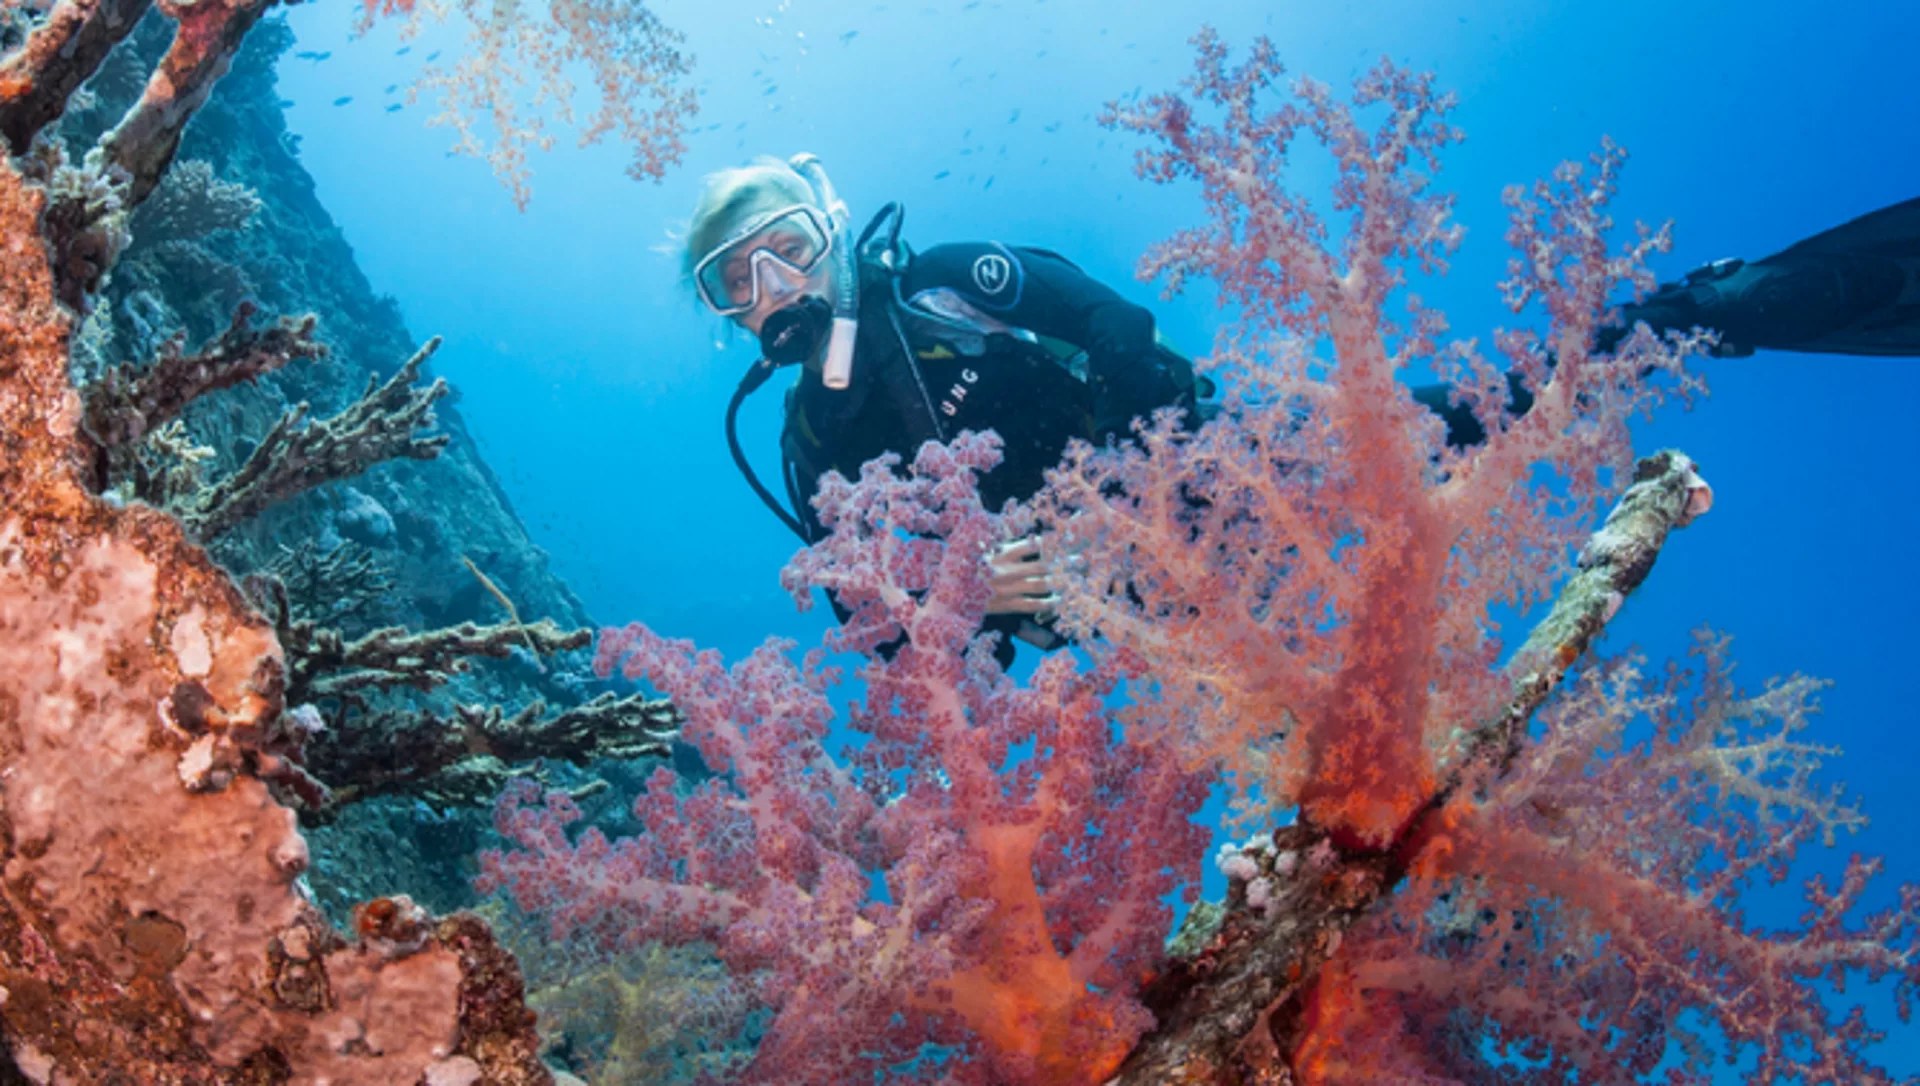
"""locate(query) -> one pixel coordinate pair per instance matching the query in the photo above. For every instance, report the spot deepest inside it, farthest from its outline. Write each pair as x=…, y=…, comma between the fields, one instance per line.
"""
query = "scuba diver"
x=900, y=346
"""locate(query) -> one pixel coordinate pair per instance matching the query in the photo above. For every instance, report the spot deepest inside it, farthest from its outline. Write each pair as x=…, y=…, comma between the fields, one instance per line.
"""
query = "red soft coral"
x=1313, y=576
x=1581, y=919
x=1321, y=618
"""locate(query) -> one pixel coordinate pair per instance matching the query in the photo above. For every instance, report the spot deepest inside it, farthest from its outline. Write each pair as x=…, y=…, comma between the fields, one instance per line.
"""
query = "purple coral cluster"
x=986, y=869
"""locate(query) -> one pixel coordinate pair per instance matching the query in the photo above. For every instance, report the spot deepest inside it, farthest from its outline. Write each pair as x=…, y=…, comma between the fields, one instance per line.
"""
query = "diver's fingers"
x=1025, y=549
x=1028, y=579
x=1021, y=605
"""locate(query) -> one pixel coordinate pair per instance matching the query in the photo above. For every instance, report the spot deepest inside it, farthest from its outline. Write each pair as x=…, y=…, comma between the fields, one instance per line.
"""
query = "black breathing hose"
x=756, y=376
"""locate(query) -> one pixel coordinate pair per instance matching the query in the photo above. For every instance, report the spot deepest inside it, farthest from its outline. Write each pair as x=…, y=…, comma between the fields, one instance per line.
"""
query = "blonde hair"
x=732, y=196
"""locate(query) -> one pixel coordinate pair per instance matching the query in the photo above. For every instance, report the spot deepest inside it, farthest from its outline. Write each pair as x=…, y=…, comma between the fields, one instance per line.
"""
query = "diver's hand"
x=1022, y=582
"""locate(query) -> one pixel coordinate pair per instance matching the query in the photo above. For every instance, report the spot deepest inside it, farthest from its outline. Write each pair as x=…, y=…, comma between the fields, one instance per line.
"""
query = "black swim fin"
x=1854, y=289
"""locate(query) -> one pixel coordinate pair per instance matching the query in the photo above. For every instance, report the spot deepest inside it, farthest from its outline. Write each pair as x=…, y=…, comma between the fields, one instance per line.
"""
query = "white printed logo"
x=991, y=273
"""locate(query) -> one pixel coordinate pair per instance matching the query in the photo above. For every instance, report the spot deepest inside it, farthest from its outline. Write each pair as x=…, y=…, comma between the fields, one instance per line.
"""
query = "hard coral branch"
x=297, y=456
x=59, y=55
x=85, y=219
x=142, y=145
x=84, y=224
x=461, y=757
x=329, y=666
x=465, y=758
x=128, y=403
x=190, y=203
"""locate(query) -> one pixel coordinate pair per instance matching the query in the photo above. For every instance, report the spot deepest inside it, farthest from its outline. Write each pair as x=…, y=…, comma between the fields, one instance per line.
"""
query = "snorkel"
x=837, y=370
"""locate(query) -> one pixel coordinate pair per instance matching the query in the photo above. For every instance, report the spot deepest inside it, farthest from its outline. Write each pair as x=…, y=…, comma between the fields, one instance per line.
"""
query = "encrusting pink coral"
x=151, y=926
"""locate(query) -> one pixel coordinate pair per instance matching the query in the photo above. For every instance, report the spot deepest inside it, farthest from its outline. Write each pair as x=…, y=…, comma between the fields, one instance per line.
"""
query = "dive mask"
x=791, y=240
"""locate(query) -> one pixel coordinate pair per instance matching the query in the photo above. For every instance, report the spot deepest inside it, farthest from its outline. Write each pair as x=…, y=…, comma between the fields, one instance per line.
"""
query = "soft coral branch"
x=1314, y=563
x=1026, y=849
x=1314, y=578
x=1588, y=905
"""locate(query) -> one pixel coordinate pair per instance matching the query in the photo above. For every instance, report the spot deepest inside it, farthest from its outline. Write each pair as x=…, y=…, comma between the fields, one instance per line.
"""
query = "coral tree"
x=1027, y=849
x=1314, y=577
x=1336, y=585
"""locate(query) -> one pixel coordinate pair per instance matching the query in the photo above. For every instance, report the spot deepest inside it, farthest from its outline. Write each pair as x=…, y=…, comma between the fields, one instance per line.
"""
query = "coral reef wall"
x=237, y=219
x=255, y=229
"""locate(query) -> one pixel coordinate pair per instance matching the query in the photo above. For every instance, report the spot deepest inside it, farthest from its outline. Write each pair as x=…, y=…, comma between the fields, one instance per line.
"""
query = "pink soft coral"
x=1313, y=576
x=1321, y=619
x=1581, y=919
x=1027, y=849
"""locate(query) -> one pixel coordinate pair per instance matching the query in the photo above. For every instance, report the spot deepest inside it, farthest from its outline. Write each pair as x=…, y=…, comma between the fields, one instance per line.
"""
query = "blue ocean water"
x=595, y=383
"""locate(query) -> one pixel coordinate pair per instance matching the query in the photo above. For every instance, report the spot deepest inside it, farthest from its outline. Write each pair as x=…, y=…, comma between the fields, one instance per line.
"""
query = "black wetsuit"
x=918, y=377
x=1074, y=360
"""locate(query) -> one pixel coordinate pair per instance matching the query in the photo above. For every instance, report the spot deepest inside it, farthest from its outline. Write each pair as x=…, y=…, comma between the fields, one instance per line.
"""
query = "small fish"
x=435, y=55
x=988, y=185
x=285, y=103
x=771, y=89
x=1054, y=127
x=403, y=51
x=849, y=36
x=391, y=87
x=1015, y=117
x=943, y=175
x=343, y=100
x=395, y=108
x=308, y=54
